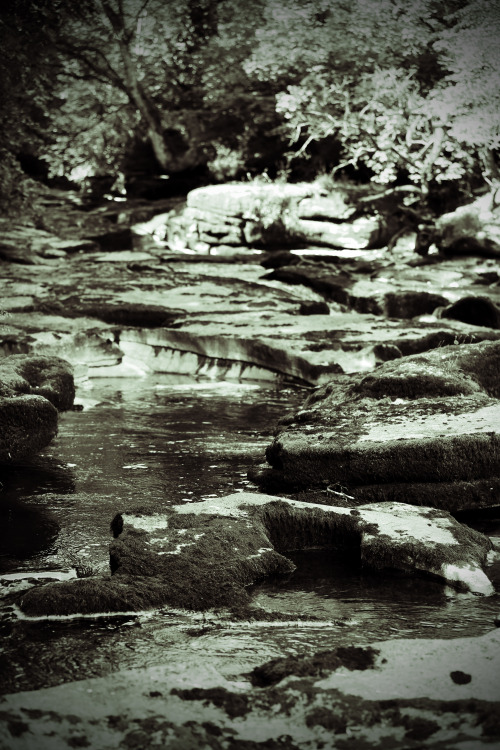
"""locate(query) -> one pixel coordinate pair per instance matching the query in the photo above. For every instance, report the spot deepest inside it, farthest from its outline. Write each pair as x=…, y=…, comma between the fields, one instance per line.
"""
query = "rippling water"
x=160, y=441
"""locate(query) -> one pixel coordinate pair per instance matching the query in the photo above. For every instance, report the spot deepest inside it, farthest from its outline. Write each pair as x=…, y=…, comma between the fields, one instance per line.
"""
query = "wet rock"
x=119, y=239
x=49, y=377
x=32, y=390
x=473, y=229
x=279, y=258
x=205, y=555
x=367, y=297
x=319, y=665
x=314, y=308
x=31, y=246
x=477, y=311
x=394, y=304
x=27, y=424
x=426, y=419
x=188, y=704
x=330, y=285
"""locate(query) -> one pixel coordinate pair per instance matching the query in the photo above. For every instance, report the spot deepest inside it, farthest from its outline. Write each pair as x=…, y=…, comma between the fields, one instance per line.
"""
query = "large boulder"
x=269, y=215
x=473, y=229
x=49, y=377
x=27, y=424
x=424, y=420
x=32, y=390
x=206, y=554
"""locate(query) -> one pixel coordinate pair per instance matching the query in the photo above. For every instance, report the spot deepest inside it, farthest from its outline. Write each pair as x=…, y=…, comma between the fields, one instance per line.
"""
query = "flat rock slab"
x=182, y=705
x=209, y=319
x=204, y=555
x=430, y=418
x=400, y=290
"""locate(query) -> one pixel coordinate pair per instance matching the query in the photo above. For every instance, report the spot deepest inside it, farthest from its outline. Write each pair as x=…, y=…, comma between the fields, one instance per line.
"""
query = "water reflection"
x=159, y=441
x=149, y=442
x=35, y=477
x=373, y=604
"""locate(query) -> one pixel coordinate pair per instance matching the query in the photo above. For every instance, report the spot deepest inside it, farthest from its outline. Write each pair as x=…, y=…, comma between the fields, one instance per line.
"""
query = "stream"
x=164, y=440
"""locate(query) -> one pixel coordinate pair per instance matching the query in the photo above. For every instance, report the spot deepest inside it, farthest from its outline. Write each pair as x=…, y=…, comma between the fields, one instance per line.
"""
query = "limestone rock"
x=431, y=418
x=204, y=555
x=267, y=215
x=335, y=207
x=363, y=232
x=367, y=297
x=370, y=696
x=473, y=229
x=239, y=199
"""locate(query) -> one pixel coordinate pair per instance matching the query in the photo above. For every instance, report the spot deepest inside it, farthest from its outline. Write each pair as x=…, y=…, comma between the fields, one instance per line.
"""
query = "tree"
x=27, y=81
x=389, y=80
x=150, y=68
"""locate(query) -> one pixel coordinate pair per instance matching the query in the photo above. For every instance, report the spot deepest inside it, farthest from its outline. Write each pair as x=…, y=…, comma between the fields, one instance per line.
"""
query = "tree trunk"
x=135, y=91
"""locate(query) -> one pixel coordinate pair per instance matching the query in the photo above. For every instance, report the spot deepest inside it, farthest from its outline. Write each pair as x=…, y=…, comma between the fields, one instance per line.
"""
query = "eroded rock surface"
x=204, y=555
x=369, y=696
x=430, y=419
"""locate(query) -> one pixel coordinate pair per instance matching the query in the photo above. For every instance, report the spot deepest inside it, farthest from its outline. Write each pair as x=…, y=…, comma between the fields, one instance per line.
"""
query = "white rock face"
x=414, y=539
x=417, y=668
x=440, y=671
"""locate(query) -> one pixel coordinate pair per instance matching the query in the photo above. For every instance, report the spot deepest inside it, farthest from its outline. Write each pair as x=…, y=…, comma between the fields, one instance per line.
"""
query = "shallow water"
x=147, y=443
x=158, y=441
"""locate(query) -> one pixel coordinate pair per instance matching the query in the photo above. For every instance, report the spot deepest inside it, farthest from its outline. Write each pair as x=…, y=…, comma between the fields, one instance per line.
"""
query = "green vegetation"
x=405, y=94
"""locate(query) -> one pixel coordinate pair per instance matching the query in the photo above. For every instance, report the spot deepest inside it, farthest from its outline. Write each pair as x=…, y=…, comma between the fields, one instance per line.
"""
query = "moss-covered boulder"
x=32, y=390
x=430, y=420
x=49, y=377
x=205, y=555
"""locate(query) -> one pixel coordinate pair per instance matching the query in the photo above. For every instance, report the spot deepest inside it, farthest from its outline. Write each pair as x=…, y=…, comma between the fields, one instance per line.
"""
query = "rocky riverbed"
x=395, y=446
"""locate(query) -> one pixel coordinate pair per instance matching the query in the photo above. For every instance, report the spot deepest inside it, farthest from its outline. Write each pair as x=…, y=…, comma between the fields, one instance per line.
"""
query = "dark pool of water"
x=374, y=605
x=160, y=441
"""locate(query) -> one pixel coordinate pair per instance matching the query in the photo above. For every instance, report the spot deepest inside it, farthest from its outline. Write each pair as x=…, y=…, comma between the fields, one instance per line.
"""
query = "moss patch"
x=319, y=665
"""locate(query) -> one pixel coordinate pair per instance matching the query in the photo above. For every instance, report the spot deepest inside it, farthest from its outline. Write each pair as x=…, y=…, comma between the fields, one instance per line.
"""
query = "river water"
x=165, y=440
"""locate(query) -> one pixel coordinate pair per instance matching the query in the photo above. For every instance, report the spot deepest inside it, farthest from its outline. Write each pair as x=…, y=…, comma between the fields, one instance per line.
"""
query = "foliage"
x=409, y=90
x=468, y=102
x=390, y=81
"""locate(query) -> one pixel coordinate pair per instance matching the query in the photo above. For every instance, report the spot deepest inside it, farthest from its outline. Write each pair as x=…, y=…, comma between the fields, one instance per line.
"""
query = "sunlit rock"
x=429, y=420
x=204, y=555
x=269, y=215
x=473, y=229
x=370, y=697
